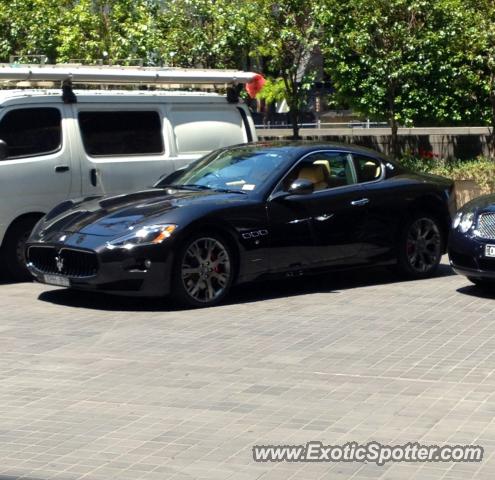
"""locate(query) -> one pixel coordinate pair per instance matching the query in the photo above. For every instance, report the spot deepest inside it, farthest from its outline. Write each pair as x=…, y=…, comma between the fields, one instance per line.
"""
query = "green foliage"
x=273, y=91
x=200, y=33
x=410, y=62
x=117, y=30
x=29, y=27
x=481, y=170
x=400, y=60
x=292, y=31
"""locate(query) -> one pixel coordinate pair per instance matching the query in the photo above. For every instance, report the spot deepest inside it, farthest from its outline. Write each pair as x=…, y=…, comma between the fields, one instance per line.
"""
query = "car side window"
x=368, y=169
x=121, y=133
x=31, y=131
x=324, y=169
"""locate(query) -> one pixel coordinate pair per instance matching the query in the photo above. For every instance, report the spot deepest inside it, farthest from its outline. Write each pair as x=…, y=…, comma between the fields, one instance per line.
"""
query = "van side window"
x=31, y=131
x=121, y=133
x=199, y=129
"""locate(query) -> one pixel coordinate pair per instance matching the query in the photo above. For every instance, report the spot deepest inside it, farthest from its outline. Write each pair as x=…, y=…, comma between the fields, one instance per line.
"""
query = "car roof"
x=302, y=147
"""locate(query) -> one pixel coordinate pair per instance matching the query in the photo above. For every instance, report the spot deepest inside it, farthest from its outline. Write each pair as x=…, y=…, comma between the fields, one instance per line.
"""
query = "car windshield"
x=242, y=169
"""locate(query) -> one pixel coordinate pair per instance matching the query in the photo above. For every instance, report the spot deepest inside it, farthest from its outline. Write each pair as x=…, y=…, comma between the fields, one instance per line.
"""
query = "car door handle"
x=93, y=176
x=62, y=168
x=324, y=217
x=361, y=202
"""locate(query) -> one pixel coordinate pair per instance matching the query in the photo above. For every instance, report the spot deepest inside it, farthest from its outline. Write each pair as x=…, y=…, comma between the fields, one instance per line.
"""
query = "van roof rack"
x=121, y=75
x=69, y=74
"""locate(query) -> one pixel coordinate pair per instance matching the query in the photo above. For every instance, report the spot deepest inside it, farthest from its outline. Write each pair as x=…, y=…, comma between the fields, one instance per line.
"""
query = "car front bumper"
x=141, y=271
x=467, y=256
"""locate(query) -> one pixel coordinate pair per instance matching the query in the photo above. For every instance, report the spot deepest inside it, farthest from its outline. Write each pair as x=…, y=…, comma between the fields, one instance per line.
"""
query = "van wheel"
x=420, y=246
x=14, y=249
x=204, y=271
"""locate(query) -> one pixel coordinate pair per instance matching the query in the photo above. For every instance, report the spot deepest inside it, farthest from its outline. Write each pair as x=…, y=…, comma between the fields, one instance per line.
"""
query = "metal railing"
x=320, y=125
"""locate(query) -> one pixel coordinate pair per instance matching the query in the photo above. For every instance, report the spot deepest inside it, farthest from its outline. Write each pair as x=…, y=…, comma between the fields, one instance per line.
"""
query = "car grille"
x=486, y=225
x=65, y=261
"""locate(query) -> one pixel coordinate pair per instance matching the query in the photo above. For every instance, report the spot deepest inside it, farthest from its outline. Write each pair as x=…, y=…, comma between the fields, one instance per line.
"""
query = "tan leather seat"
x=317, y=174
x=370, y=171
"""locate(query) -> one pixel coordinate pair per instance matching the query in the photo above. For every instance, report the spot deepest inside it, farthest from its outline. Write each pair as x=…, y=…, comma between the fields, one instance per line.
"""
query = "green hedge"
x=481, y=170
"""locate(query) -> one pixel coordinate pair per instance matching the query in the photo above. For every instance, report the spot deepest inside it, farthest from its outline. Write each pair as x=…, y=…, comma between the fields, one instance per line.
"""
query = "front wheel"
x=204, y=271
x=420, y=247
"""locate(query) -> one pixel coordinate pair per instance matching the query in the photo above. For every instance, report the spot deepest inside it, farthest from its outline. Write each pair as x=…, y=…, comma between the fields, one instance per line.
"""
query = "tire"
x=204, y=271
x=14, y=249
x=484, y=283
x=420, y=246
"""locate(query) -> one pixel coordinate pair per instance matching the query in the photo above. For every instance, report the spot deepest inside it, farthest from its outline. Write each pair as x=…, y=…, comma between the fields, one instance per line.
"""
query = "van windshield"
x=243, y=169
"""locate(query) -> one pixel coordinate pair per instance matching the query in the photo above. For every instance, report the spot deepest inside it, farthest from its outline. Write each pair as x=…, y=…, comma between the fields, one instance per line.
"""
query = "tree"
x=291, y=34
x=479, y=64
x=397, y=59
x=29, y=27
x=206, y=34
x=116, y=30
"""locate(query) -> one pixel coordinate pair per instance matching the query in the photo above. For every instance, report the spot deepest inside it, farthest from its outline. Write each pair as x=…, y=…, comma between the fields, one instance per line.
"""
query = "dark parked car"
x=243, y=213
x=472, y=241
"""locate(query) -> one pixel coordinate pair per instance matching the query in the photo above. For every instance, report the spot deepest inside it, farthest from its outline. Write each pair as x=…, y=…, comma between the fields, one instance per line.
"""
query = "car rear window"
x=121, y=133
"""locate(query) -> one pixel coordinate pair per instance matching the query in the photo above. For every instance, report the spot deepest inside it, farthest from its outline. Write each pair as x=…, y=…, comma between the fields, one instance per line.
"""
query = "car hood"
x=484, y=203
x=112, y=216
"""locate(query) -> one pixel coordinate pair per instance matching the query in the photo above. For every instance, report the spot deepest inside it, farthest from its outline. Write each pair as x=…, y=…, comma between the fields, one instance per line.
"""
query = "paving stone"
x=97, y=387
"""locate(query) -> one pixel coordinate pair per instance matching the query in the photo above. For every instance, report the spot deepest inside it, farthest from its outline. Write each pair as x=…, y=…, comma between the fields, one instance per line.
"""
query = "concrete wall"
x=453, y=142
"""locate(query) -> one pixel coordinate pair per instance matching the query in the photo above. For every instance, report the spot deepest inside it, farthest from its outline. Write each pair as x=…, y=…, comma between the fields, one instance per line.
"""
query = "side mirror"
x=301, y=186
x=4, y=150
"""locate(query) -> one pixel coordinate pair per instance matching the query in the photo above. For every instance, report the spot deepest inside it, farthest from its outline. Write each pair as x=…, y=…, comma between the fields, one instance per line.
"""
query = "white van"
x=99, y=142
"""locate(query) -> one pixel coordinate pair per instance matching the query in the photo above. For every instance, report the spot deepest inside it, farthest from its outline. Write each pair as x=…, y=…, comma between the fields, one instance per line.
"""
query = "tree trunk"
x=394, y=140
x=491, y=137
x=294, y=117
x=293, y=93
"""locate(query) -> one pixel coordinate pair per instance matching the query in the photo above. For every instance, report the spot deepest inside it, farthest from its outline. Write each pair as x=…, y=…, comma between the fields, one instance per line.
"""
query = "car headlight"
x=466, y=222
x=457, y=220
x=147, y=235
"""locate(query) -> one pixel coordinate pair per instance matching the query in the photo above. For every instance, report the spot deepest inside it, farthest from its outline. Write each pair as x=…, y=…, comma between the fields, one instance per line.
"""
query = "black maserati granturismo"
x=244, y=213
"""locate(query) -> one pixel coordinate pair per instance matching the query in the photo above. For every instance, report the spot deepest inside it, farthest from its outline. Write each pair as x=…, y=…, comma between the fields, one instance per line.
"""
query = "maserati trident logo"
x=59, y=262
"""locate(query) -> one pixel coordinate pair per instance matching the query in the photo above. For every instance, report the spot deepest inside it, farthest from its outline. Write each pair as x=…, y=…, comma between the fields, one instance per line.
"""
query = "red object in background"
x=427, y=154
x=255, y=85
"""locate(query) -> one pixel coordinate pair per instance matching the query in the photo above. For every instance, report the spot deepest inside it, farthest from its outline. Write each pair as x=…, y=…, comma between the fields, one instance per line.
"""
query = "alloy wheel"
x=206, y=269
x=423, y=246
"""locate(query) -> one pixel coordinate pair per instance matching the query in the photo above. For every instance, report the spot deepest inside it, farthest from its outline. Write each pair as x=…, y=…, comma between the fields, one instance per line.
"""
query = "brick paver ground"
x=101, y=388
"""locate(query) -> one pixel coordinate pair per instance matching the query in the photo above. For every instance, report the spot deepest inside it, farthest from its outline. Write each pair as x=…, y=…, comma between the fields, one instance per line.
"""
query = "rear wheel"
x=420, y=247
x=14, y=248
x=204, y=271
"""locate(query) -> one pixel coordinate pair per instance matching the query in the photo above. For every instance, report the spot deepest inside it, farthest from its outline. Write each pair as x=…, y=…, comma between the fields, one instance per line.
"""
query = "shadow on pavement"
x=252, y=292
x=479, y=292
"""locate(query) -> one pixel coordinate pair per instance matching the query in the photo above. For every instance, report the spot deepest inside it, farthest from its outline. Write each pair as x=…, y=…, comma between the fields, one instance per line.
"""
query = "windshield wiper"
x=228, y=190
x=186, y=186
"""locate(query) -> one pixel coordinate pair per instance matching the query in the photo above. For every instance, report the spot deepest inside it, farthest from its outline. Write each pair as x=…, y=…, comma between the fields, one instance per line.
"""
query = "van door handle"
x=93, y=176
x=361, y=202
x=62, y=168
